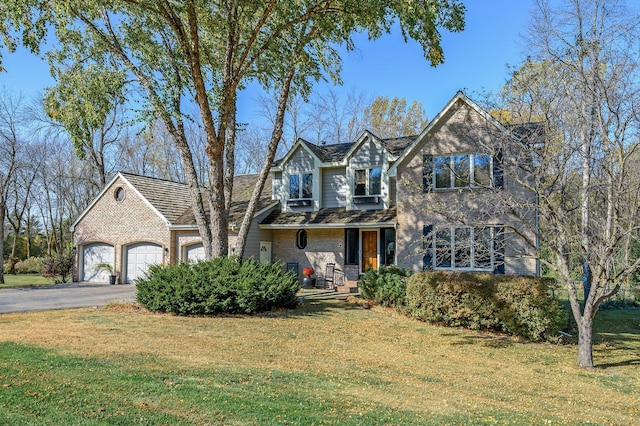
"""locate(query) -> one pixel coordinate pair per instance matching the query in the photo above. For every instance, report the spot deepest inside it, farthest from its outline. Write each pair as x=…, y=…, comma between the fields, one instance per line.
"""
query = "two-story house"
x=421, y=202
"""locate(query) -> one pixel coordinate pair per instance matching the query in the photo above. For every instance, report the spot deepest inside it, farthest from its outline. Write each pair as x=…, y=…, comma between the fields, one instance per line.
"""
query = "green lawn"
x=328, y=362
x=22, y=280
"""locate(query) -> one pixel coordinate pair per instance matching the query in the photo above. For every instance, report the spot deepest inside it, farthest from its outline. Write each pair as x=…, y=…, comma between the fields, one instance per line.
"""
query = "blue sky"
x=475, y=60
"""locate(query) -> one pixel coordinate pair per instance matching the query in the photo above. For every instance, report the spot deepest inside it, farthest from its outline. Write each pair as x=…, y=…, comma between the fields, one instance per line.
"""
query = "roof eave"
x=329, y=225
x=95, y=200
x=459, y=96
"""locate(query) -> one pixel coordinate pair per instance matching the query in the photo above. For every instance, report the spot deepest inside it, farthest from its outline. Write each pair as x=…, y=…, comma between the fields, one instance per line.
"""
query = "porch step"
x=327, y=294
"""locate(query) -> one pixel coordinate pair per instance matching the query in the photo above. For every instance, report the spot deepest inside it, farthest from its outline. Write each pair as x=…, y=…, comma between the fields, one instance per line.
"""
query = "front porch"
x=353, y=240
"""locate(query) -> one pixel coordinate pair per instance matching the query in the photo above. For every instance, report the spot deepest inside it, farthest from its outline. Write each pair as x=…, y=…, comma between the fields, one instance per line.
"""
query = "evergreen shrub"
x=221, y=285
x=517, y=305
x=386, y=285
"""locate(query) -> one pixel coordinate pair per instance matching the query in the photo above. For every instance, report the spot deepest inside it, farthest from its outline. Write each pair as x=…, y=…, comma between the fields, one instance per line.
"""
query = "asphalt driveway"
x=63, y=296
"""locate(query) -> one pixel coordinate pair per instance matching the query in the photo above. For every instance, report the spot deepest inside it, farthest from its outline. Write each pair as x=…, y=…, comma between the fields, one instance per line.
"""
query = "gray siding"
x=334, y=187
x=300, y=161
x=255, y=235
x=277, y=187
x=369, y=154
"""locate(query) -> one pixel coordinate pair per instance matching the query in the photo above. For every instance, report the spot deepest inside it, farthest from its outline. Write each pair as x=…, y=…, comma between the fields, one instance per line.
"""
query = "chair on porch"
x=338, y=277
x=327, y=281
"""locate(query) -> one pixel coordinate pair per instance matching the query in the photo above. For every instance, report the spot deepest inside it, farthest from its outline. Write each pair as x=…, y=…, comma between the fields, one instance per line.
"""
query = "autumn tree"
x=87, y=101
x=391, y=118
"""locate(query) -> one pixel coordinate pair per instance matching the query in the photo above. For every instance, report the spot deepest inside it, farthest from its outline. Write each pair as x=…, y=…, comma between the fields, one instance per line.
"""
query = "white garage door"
x=138, y=259
x=92, y=256
x=194, y=253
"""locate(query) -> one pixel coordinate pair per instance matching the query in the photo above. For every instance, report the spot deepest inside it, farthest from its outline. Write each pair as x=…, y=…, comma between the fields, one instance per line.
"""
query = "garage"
x=92, y=256
x=194, y=253
x=138, y=258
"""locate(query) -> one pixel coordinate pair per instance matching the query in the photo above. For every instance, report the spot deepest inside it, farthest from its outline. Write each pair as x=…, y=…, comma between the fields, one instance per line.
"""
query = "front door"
x=369, y=250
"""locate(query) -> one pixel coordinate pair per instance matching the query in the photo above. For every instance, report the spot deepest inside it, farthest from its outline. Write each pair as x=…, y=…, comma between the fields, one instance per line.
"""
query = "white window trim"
x=452, y=230
x=300, y=175
x=367, y=183
x=471, y=171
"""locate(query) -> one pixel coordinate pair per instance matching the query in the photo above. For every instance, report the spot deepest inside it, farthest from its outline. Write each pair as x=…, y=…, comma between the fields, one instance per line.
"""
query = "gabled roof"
x=242, y=189
x=396, y=146
x=172, y=201
x=337, y=153
x=523, y=133
x=458, y=97
x=169, y=198
x=166, y=198
x=332, y=153
x=308, y=146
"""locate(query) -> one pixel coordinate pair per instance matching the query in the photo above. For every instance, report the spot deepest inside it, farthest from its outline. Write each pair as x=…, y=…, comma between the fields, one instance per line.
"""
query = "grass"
x=328, y=362
x=24, y=280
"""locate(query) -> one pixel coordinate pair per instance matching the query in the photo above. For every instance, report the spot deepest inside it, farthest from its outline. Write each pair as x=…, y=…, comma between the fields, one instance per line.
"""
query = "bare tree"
x=20, y=187
x=581, y=82
x=12, y=145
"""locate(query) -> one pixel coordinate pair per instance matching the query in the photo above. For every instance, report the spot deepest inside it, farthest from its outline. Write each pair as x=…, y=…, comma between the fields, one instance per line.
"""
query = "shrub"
x=221, y=285
x=32, y=265
x=520, y=306
x=387, y=285
x=59, y=267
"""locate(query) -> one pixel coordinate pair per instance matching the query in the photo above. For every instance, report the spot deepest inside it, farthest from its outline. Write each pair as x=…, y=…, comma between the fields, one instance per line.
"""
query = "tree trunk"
x=2, y=211
x=14, y=245
x=218, y=214
x=276, y=135
x=585, y=342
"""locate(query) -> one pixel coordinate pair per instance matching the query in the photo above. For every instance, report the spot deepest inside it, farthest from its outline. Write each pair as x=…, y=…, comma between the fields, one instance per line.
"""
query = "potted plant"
x=109, y=268
x=307, y=281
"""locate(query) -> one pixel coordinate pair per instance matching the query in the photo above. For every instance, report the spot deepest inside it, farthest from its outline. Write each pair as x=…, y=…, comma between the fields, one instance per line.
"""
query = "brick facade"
x=463, y=131
x=323, y=246
x=119, y=223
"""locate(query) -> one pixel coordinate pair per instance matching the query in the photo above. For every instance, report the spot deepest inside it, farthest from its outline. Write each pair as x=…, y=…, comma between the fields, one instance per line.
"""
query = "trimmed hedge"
x=387, y=285
x=516, y=305
x=221, y=285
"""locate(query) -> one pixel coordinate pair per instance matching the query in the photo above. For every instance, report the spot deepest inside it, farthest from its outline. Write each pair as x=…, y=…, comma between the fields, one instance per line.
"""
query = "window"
x=462, y=171
x=351, y=246
x=388, y=244
x=464, y=247
x=367, y=182
x=301, y=186
x=301, y=239
x=119, y=194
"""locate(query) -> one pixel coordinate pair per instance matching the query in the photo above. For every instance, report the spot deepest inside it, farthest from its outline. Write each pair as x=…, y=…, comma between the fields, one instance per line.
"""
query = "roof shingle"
x=173, y=201
x=338, y=216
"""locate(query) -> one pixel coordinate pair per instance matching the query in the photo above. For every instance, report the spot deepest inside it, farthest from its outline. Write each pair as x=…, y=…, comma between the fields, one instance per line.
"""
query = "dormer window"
x=367, y=182
x=301, y=186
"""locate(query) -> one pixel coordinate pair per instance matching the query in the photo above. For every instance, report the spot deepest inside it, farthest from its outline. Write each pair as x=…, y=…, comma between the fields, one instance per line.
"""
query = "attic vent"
x=118, y=194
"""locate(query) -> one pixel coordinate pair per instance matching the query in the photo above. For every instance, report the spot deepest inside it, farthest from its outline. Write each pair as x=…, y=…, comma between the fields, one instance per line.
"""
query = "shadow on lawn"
x=625, y=363
x=311, y=307
x=485, y=340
